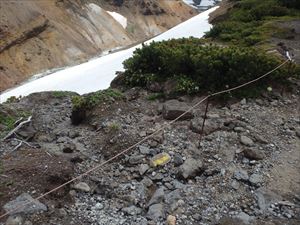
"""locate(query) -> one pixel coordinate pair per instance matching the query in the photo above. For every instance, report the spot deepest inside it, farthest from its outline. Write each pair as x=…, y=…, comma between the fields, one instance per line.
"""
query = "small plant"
x=114, y=127
x=60, y=94
x=13, y=99
x=7, y=121
x=81, y=104
x=91, y=100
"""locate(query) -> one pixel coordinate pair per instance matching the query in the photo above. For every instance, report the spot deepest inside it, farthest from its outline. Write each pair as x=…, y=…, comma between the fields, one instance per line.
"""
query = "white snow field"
x=119, y=18
x=97, y=74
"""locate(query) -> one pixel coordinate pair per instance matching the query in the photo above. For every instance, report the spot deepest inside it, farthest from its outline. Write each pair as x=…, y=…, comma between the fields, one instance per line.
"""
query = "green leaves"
x=198, y=67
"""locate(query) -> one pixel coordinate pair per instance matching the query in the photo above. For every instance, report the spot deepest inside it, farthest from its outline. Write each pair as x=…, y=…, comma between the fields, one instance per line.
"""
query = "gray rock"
x=254, y=154
x=246, y=141
x=132, y=210
x=82, y=186
x=153, y=143
x=144, y=150
x=244, y=217
x=260, y=139
x=147, y=181
x=62, y=212
x=265, y=198
x=190, y=168
x=239, y=129
x=135, y=159
x=235, y=185
x=173, y=108
x=156, y=212
x=172, y=197
x=73, y=134
x=241, y=175
x=14, y=220
x=142, y=133
x=177, y=159
x=243, y=102
x=256, y=179
x=157, y=197
x=32, y=206
x=137, y=195
x=210, y=126
x=143, y=168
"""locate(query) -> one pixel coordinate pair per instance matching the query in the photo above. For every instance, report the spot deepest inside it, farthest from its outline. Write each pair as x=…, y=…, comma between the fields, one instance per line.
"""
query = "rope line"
x=141, y=141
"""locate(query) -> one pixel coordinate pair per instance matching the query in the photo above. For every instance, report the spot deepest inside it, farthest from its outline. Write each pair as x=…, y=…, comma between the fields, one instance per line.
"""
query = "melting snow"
x=119, y=18
x=95, y=8
x=98, y=73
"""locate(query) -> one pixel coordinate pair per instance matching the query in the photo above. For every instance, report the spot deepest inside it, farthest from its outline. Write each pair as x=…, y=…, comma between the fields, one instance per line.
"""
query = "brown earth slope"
x=39, y=35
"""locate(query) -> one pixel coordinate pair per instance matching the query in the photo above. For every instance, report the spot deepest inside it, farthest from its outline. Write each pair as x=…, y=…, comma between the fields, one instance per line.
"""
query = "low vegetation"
x=253, y=22
x=200, y=68
x=81, y=104
x=91, y=100
x=8, y=120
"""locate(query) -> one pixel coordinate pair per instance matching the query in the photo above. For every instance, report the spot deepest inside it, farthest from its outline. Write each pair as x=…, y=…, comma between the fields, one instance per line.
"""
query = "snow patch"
x=95, y=8
x=119, y=18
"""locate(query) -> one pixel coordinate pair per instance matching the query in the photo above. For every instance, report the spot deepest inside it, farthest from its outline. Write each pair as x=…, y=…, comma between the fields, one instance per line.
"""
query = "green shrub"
x=244, y=24
x=197, y=67
x=93, y=99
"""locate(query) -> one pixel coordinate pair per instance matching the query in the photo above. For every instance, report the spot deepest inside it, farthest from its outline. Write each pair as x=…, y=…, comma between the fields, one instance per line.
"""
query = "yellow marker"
x=160, y=159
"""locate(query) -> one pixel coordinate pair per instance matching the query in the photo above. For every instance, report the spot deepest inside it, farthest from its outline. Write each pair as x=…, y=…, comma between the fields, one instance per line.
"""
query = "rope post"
x=204, y=119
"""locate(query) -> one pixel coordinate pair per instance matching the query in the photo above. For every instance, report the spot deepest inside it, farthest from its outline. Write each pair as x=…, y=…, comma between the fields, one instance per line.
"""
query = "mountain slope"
x=40, y=35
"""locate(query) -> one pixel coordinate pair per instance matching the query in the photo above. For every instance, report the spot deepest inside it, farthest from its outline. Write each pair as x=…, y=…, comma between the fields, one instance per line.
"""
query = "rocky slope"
x=239, y=173
x=40, y=35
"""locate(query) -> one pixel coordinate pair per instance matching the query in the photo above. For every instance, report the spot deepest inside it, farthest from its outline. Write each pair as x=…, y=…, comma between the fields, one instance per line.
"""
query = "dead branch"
x=17, y=128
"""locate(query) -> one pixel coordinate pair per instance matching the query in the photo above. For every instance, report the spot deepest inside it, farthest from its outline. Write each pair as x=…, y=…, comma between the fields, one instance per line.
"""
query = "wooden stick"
x=17, y=128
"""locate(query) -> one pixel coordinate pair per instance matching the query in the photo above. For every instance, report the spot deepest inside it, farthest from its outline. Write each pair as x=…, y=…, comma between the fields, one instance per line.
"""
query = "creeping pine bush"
x=244, y=23
x=197, y=67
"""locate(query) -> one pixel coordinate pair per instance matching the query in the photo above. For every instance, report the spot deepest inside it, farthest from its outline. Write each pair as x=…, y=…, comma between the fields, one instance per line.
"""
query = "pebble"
x=171, y=220
x=255, y=179
x=82, y=186
x=156, y=212
x=177, y=159
x=246, y=141
x=143, y=169
x=135, y=159
x=132, y=210
x=14, y=220
x=254, y=154
x=241, y=175
x=144, y=150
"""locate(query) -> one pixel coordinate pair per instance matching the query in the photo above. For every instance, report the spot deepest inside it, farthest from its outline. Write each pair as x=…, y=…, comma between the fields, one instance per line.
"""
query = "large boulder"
x=173, y=109
x=30, y=205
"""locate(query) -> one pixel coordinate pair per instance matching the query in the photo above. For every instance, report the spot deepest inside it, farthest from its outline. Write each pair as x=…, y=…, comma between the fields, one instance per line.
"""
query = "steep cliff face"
x=39, y=35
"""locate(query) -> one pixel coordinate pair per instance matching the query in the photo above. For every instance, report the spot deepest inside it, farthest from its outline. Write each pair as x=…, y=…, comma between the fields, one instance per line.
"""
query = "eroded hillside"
x=40, y=35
